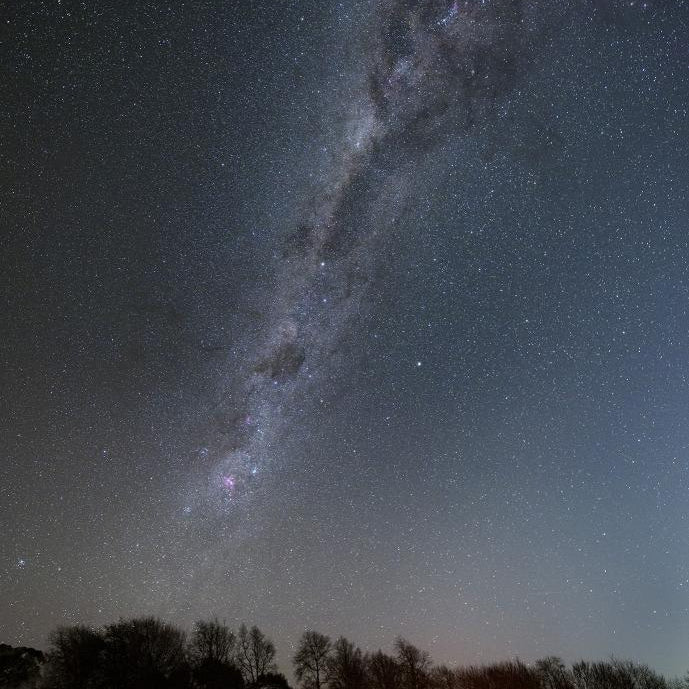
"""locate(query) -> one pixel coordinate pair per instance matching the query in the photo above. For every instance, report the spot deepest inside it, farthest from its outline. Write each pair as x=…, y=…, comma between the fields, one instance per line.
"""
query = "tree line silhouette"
x=148, y=653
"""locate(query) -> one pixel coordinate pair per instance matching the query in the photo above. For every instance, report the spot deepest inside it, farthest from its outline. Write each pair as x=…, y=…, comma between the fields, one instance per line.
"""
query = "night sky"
x=366, y=316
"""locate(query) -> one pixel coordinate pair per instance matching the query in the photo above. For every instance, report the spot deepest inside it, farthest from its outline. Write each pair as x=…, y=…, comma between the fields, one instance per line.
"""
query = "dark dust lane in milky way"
x=435, y=69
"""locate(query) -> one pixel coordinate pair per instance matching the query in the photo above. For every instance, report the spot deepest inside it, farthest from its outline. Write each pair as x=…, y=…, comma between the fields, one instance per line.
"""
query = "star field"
x=362, y=316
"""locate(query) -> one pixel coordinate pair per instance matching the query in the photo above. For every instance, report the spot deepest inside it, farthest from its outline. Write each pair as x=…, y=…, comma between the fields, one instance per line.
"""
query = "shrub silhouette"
x=20, y=667
x=214, y=674
x=512, y=674
x=271, y=680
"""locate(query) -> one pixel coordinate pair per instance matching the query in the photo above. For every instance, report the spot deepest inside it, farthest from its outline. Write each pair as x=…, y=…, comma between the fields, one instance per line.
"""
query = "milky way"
x=436, y=68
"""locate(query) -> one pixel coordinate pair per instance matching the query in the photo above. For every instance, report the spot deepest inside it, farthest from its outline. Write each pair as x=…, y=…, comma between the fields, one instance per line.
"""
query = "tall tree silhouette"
x=310, y=660
x=255, y=654
x=383, y=671
x=212, y=640
x=414, y=664
x=345, y=666
x=211, y=651
x=554, y=674
x=144, y=653
x=73, y=657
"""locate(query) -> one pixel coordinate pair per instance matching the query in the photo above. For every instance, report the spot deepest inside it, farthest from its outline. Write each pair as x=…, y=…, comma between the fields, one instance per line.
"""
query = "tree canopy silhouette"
x=255, y=654
x=148, y=653
x=311, y=658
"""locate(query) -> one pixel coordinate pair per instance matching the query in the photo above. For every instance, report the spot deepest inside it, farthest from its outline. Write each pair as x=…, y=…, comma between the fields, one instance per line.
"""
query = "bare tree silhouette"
x=255, y=654
x=554, y=674
x=414, y=665
x=144, y=653
x=211, y=652
x=147, y=653
x=310, y=660
x=345, y=666
x=73, y=657
x=212, y=640
x=383, y=671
